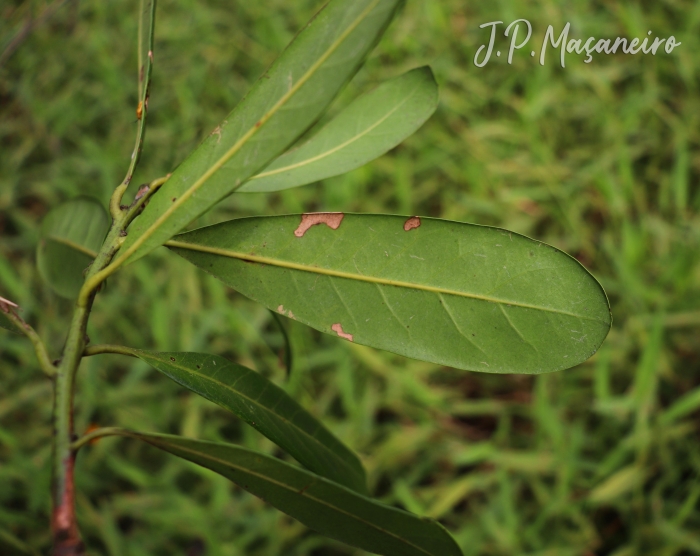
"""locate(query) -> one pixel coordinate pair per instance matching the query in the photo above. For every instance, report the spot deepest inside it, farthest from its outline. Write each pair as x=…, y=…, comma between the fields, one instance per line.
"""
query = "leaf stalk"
x=41, y=354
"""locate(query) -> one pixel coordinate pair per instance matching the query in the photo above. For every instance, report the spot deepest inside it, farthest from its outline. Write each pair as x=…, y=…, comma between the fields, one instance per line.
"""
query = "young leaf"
x=266, y=407
x=472, y=297
x=283, y=103
x=369, y=127
x=69, y=237
x=322, y=505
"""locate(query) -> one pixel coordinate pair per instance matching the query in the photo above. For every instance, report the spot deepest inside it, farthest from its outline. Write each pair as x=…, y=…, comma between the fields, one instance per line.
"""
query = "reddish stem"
x=66, y=538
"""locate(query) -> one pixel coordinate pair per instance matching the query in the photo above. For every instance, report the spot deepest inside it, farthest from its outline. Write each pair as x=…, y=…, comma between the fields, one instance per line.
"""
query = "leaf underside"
x=366, y=129
x=281, y=106
x=471, y=297
x=266, y=407
x=320, y=504
x=69, y=237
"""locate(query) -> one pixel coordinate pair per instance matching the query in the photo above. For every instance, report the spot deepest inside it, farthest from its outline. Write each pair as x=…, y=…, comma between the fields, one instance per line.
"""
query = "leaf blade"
x=369, y=127
x=69, y=237
x=320, y=504
x=266, y=407
x=423, y=288
x=283, y=103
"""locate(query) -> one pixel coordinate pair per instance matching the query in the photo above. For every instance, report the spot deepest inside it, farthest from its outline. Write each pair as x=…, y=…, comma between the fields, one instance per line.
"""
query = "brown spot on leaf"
x=139, y=110
x=280, y=309
x=338, y=329
x=257, y=124
x=330, y=219
x=172, y=359
x=413, y=222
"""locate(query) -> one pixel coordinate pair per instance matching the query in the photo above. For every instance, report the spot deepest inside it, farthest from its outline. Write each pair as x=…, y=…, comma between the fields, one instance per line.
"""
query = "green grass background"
x=598, y=159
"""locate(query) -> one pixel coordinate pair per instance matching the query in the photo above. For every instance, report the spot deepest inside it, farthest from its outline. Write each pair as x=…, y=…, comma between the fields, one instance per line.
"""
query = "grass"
x=598, y=159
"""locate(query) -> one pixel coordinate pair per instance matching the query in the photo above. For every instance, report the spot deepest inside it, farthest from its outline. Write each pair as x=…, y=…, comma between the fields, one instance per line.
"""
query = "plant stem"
x=66, y=537
x=27, y=330
x=145, y=69
x=94, y=279
x=108, y=348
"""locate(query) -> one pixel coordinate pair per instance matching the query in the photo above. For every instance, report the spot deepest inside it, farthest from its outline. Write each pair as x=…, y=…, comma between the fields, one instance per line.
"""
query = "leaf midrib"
x=73, y=245
x=147, y=233
x=267, y=410
x=289, y=488
x=363, y=278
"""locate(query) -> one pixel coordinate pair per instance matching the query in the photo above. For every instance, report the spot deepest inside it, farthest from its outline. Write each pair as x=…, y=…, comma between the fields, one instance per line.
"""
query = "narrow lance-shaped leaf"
x=288, y=355
x=283, y=103
x=467, y=296
x=266, y=407
x=325, y=506
x=69, y=238
x=369, y=127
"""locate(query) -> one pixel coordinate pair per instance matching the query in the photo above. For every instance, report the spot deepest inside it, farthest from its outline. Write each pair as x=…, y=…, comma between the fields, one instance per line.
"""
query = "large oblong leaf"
x=325, y=506
x=283, y=103
x=467, y=296
x=69, y=238
x=266, y=407
x=366, y=129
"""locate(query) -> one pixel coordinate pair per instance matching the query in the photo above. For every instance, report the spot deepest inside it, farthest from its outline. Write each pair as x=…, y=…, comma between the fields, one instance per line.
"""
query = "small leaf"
x=288, y=354
x=283, y=103
x=375, y=123
x=325, y=506
x=266, y=407
x=471, y=297
x=69, y=238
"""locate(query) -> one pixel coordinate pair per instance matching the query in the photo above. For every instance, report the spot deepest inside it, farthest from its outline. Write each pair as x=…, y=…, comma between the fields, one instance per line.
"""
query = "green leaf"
x=288, y=354
x=266, y=407
x=467, y=296
x=325, y=506
x=69, y=238
x=369, y=127
x=283, y=103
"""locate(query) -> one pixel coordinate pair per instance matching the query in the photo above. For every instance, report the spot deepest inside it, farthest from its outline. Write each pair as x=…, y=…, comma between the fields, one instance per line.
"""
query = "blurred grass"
x=598, y=159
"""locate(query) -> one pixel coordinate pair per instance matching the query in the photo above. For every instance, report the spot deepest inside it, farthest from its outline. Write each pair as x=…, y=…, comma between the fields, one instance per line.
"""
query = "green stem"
x=29, y=332
x=145, y=70
x=94, y=279
x=108, y=348
x=66, y=537
x=65, y=531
